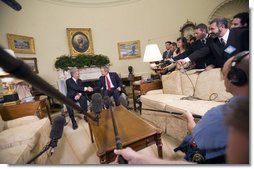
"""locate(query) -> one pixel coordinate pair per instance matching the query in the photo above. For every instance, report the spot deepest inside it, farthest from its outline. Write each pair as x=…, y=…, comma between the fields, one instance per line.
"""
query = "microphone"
x=107, y=102
x=55, y=134
x=173, y=113
x=13, y=4
x=16, y=67
x=124, y=100
x=97, y=105
x=56, y=131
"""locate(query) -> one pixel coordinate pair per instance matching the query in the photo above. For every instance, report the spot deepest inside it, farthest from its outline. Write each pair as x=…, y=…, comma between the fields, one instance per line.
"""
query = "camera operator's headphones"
x=236, y=75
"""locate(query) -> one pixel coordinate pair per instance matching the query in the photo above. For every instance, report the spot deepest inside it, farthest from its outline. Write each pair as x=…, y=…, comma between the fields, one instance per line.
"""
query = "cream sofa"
x=208, y=86
x=22, y=138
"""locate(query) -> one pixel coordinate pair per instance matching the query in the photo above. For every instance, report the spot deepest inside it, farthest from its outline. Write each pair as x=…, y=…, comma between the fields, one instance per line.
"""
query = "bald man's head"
x=242, y=66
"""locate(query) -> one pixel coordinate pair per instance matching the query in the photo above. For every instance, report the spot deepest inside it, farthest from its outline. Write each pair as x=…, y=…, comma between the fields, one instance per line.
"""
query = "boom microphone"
x=173, y=113
x=97, y=105
x=55, y=134
x=107, y=102
x=13, y=4
x=57, y=130
x=17, y=68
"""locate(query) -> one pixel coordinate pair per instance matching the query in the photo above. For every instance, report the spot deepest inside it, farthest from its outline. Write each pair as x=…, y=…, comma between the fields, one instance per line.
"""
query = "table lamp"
x=7, y=83
x=2, y=72
x=152, y=54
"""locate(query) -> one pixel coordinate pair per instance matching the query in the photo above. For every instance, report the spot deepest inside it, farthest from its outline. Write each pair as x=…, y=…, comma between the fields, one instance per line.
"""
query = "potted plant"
x=65, y=62
x=81, y=61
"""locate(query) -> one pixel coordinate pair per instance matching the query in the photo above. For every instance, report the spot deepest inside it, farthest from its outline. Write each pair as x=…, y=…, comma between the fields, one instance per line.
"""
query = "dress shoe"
x=74, y=124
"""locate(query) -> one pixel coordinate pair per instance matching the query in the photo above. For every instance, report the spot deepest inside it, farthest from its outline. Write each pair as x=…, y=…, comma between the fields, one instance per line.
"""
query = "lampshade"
x=11, y=52
x=152, y=53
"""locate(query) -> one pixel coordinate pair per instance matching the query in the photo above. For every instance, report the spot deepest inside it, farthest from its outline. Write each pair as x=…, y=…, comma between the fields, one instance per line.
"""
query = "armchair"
x=22, y=138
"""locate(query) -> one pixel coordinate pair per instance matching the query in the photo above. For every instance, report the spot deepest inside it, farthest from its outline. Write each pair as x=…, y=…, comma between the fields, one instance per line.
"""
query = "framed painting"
x=32, y=63
x=129, y=50
x=21, y=44
x=80, y=41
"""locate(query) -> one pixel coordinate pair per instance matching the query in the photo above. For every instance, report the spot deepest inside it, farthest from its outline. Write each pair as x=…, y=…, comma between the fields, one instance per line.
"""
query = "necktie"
x=167, y=54
x=203, y=41
x=108, y=83
x=222, y=42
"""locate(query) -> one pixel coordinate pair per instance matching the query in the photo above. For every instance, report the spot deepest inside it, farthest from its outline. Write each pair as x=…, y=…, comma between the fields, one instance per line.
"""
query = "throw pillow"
x=210, y=86
x=171, y=84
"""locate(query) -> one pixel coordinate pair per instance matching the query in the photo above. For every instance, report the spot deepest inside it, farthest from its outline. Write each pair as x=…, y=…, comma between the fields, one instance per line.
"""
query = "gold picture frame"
x=80, y=41
x=21, y=44
x=129, y=49
x=32, y=63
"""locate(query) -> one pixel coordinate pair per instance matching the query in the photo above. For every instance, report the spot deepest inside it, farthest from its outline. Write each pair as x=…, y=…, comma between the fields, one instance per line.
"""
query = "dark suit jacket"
x=164, y=56
x=238, y=39
x=115, y=79
x=201, y=63
x=74, y=88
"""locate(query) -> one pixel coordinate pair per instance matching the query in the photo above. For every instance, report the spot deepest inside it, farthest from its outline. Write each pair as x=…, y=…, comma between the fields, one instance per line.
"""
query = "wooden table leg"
x=49, y=114
x=159, y=144
x=133, y=97
x=91, y=132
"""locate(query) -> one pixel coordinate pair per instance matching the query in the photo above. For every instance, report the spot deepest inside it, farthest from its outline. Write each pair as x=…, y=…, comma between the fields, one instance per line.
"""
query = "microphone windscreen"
x=124, y=100
x=57, y=128
x=96, y=103
x=107, y=101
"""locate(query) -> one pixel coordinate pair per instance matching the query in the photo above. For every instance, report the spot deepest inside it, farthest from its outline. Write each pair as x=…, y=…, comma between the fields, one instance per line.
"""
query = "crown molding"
x=90, y=3
x=229, y=8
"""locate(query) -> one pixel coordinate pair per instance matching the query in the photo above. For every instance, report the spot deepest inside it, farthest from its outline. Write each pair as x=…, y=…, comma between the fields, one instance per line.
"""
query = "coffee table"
x=134, y=132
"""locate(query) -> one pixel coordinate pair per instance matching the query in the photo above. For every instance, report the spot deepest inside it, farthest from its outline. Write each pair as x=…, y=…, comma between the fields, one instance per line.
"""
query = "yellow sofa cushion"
x=15, y=155
x=210, y=86
x=188, y=82
x=26, y=134
x=171, y=84
x=20, y=121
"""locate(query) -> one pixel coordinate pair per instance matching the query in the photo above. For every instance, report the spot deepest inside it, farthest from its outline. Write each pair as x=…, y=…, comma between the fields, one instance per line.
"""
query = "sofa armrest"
x=154, y=92
x=20, y=121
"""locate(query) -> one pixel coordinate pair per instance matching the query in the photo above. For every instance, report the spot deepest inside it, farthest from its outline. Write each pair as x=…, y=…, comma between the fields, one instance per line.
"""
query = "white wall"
x=159, y=20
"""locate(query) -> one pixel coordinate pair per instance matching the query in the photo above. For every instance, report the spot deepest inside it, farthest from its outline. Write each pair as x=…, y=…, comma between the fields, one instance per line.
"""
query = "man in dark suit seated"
x=76, y=92
x=110, y=83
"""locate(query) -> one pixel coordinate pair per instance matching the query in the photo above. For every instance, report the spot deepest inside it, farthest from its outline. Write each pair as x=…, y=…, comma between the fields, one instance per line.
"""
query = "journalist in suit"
x=76, y=92
x=110, y=83
x=202, y=40
x=225, y=44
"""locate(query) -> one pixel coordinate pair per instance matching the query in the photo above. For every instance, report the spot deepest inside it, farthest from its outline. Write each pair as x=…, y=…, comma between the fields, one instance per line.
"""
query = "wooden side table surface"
x=134, y=132
x=10, y=112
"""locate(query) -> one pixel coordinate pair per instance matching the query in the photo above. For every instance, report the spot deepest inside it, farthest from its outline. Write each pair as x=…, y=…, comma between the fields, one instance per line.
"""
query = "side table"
x=9, y=112
x=143, y=88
